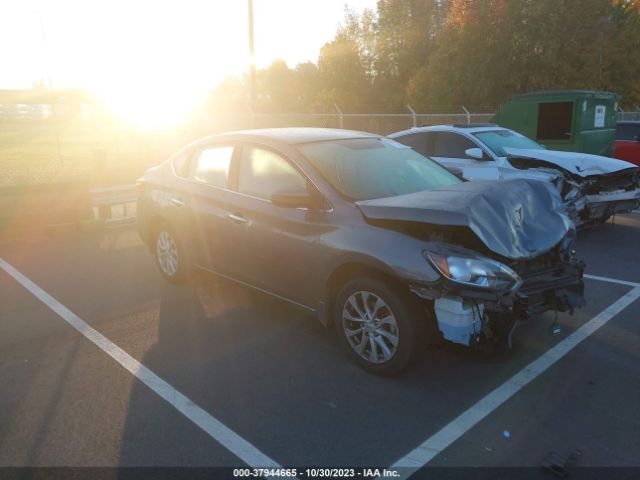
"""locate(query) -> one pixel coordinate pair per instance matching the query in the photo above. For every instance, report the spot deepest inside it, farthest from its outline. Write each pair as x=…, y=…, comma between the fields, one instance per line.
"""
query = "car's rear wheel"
x=170, y=256
x=381, y=327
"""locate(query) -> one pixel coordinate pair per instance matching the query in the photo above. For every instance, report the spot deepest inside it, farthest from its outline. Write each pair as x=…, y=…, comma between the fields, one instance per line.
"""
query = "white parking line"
x=435, y=444
x=612, y=280
x=212, y=426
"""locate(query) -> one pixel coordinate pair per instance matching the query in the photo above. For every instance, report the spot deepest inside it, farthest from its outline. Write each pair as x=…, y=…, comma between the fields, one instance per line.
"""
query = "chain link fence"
x=381, y=123
x=35, y=150
x=629, y=116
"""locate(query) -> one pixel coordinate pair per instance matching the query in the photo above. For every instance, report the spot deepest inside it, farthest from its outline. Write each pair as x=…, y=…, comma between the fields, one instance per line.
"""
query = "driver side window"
x=451, y=145
x=263, y=172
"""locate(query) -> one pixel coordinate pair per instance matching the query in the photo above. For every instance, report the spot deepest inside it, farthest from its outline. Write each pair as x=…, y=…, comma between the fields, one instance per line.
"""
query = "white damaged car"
x=593, y=187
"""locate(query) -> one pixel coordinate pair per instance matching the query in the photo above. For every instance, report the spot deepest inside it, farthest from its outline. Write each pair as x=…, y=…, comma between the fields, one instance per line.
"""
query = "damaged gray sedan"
x=374, y=238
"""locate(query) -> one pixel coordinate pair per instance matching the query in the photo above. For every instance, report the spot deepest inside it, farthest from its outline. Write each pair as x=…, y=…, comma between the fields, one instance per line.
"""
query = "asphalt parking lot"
x=235, y=366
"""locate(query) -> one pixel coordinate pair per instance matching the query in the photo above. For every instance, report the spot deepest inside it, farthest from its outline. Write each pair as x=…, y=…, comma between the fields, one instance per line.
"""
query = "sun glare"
x=151, y=63
x=150, y=108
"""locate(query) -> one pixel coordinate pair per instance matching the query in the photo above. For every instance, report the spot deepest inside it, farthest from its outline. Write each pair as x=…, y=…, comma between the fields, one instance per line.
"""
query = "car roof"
x=449, y=128
x=293, y=135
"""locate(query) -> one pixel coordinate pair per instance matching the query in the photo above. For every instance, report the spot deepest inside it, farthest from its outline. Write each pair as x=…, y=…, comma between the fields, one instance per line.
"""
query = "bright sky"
x=141, y=50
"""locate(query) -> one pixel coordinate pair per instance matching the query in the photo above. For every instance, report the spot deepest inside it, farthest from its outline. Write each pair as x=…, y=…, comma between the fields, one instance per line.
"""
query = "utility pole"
x=45, y=52
x=252, y=60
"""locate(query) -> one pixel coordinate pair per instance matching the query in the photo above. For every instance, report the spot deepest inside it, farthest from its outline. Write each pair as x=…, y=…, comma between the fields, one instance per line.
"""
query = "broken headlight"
x=474, y=270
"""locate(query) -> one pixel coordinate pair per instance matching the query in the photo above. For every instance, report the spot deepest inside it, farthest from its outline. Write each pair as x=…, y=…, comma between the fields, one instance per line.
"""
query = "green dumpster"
x=572, y=120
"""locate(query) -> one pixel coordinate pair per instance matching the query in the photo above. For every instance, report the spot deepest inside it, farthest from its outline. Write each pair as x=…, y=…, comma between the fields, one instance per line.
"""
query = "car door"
x=208, y=202
x=448, y=148
x=272, y=247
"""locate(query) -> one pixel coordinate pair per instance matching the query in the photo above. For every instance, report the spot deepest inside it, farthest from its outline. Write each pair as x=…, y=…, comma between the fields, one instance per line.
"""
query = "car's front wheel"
x=170, y=257
x=381, y=327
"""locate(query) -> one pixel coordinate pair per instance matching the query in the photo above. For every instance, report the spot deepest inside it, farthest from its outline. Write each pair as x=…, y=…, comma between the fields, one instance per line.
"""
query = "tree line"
x=437, y=55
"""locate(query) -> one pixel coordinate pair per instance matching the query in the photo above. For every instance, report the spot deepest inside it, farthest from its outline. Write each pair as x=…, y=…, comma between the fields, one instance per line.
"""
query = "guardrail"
x=30, y=209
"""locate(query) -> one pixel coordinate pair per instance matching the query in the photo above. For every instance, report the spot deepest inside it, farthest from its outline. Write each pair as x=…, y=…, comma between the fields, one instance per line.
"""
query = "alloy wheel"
x=370, y=327
x=167, y=253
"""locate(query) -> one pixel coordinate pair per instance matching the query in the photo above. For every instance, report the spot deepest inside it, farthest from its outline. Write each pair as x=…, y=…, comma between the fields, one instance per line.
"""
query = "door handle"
x=236, y=218
x=177, y=202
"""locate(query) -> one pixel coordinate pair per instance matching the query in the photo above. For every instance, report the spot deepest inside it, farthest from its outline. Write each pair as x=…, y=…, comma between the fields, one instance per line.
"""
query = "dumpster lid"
x=568, y=93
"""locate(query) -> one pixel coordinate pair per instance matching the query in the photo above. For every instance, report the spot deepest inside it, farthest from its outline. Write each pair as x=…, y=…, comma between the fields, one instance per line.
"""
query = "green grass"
x=47, y=151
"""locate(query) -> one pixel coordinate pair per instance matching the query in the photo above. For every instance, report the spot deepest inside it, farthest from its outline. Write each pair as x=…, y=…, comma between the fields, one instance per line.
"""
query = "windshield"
x=498, y=140
x=366, y=168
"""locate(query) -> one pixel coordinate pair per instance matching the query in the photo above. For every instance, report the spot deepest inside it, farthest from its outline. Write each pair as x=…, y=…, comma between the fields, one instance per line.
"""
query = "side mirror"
x=475, y=153
x=292, y=199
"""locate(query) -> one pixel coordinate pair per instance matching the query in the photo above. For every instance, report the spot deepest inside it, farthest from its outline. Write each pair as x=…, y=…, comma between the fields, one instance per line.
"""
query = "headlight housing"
x=467, y=268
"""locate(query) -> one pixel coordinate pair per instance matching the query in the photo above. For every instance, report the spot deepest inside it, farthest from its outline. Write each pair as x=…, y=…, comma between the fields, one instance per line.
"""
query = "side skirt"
x=226, y=277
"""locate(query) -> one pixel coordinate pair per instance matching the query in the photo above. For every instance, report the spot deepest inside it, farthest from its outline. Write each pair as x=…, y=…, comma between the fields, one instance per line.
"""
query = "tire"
x=170, y=256
x=393, y=324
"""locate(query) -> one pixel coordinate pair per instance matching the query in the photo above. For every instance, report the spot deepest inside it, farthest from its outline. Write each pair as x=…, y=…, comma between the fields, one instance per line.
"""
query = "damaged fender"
x=593, y=187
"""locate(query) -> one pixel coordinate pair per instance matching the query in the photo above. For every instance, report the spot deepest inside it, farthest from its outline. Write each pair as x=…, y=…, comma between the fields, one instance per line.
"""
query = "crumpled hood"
x=581, y=164
x=514, y=218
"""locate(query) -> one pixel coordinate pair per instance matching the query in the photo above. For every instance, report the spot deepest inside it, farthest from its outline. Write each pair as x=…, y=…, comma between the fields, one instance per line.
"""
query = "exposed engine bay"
x=471, y=317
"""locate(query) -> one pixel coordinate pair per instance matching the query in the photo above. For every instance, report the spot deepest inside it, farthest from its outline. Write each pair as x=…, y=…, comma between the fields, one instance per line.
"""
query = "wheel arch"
x=347, y=271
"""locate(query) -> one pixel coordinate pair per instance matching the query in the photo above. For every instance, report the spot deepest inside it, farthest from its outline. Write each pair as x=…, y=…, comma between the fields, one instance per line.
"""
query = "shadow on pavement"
x=277, y=377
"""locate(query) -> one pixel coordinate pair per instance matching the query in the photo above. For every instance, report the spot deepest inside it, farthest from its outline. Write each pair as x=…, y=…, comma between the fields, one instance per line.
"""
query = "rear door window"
x=211, y=166
x=451, y=145
x=417, y=141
